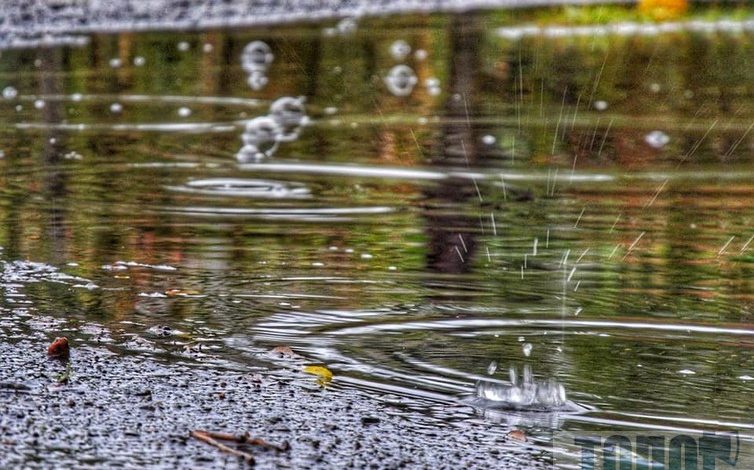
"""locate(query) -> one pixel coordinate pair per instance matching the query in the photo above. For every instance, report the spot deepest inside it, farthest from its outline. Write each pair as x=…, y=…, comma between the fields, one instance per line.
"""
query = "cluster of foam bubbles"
x=525, y=393
x=262, y=135
x=401, y=79
x=256, y=60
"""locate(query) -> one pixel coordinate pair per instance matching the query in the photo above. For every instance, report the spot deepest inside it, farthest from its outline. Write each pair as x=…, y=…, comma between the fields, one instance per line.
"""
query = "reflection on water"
x=575, y=206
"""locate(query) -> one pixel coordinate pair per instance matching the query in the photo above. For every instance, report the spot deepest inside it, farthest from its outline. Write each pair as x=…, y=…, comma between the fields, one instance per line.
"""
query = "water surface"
x=578, y=204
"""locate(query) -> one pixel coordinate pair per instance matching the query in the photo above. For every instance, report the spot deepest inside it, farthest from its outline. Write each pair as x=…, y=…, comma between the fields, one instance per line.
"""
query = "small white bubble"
x=686, y=372
x=600, y=105
x=19, y=108
x=183, y=46
x=39, y=104
x=53, y=140
x=330, y=110
x=76, y=97
x=37, y=63
x=657, y=139
x=420, y=54
x=400, y=49
x=9, y=93
x=207, y=48
x=318, y=264
x=392, y=268
x=333, y=248
x=655, y=88
x=115, y=62
x=184, y=112
x=116, y=108
x=139, y=61
x=488, y=139
x=366, y=256
x=527, y=347
x=347, y=26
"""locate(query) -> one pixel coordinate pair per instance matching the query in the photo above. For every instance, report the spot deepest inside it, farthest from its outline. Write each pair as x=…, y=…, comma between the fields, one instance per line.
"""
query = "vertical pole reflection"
x=54, y=179
x=450, y=230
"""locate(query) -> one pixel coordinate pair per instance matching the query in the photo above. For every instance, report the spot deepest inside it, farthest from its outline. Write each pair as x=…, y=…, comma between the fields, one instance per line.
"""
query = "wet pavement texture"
x=126, y=411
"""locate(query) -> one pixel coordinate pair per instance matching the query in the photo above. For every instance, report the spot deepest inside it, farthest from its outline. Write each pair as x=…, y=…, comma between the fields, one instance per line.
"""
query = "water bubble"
x=657, y=139
x=600, y=105
x=116, y=108
x=492, y=367
x=289, y=114
x=39, y=104
x=38, y=63
x=19, y=108
x=401, y=80
x=9, y=93
x=139, y=61
x=76, y=97
x=257, y=80
x=256, y=56
x=259, y=138
x=183, y=46
x=115, y=63
x=655, y=88
x=366, y=256
x=184, y=112
x=527, y=347
x=400, y=49
x=347, y=26
x=488, y=139
x=207, y=48
x=420, y=54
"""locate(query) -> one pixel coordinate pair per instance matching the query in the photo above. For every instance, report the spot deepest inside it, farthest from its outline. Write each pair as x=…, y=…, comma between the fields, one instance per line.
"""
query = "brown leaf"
x=284, y=351
x=517, y=435
x=59, y=348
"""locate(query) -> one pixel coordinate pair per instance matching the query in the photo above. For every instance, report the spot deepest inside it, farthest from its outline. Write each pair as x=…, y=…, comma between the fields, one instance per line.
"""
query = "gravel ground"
x=125, y=411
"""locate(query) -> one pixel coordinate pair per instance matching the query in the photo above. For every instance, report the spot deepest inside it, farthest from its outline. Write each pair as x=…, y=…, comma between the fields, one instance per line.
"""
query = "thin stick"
x=204, y=437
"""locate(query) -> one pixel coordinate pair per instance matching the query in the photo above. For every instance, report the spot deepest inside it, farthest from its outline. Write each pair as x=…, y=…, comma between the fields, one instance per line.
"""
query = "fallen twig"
x=245, y=439
x=204, y=436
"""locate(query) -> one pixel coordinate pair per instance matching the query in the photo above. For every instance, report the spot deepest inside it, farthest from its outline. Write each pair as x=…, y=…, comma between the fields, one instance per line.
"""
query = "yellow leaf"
x=324, y=375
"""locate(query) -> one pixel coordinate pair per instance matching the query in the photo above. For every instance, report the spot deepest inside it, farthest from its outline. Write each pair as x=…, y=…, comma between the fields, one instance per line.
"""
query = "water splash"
x=525, y=393
x=256, y=59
